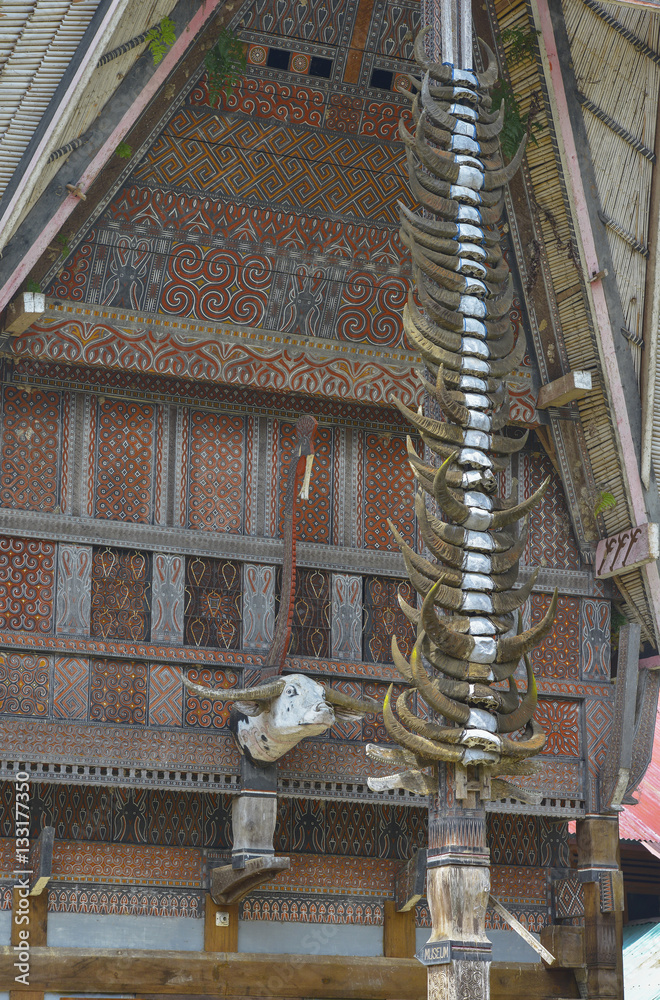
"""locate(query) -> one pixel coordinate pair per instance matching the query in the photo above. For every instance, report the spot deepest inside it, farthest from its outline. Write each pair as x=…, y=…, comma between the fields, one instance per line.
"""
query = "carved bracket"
x=410, y=882
x=41, y=860
x=229, y=884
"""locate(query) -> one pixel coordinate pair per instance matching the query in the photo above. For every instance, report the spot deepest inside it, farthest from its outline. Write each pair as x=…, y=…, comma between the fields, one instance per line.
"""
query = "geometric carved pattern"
x=211, y=153
x=313, y=518
x=348, y=729
x=130, y=823
x=258, y=606
x=321, y=22
x=383, y=618
x=165, y=695
x=551, y=541
x=373, y=729
x=175, y=819
x=201, y=711
x=399, y=24
x=23, y=684
x=118, y=692
x=560, y=722
x=599, y=717
x=29, y=449
x=266, y=366
x=520, y=884
x=513, y=840
x=71, y=685
x=352, y=828
x=217, y=284
x=310, y=625
x=568, y=898
x=595, y=637
x=555, y=851
x=559, y=654
x=167, y=599
x=246, y=275
x=213, y=603
x=346, y=617
x=125, y=459
x=369, y=310
x=27, y=577
x=90, y=813
x=126, y=901
x=388, y=493
x=305, y=104
x=216, y=472
x=307, y=825
x=120, y=589
x=74, y=575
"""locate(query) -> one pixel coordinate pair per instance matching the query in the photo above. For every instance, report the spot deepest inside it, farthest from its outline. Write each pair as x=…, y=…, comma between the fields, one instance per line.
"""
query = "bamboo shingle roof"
x=614, y=53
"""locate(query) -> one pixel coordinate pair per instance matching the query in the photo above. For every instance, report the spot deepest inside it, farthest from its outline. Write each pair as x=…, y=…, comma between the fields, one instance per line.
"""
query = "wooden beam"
x=410, y=882
x=220, y=926
x=573, y=385
x=25, y=310
x=38, y=925
x=38, y=928
x=398, y=932
x=358, y=42
x=597, y=844
x=566, y=944
x=190, y=974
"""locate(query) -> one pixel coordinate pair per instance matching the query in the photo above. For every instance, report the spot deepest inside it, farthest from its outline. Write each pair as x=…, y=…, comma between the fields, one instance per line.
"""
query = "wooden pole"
x=398, y=931
x=598, y=870
x=220, y=926
x=38, y=930
x=183, y=973
x=457, y=889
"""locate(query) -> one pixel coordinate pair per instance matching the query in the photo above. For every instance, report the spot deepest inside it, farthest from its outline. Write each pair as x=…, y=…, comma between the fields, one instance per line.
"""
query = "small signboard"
x=435, y=953
x=627, y=550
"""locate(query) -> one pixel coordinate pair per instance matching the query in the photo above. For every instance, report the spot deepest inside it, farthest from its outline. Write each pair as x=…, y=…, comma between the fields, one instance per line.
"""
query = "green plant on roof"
x=604, y=501
x=32, y=286
x=519, y=46
x=516, y=122
x=161, y=38
x=63, y=243
x=225, y=65
x=124, y=150
x=617, y=621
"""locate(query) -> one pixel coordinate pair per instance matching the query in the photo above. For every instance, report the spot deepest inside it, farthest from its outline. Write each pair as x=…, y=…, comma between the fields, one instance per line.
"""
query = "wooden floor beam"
x=221, y=974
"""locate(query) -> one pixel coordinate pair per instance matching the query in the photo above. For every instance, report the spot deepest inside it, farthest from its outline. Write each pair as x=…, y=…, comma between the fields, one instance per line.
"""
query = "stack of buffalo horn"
x=468, y=645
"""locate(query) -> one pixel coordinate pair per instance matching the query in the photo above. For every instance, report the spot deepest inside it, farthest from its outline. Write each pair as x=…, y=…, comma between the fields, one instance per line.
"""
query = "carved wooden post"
x=460, y=326
x=457, y=889
x=598, y=870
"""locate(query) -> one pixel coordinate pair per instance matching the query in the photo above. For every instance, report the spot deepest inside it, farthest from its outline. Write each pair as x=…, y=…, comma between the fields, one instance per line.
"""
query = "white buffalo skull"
x=269, y=719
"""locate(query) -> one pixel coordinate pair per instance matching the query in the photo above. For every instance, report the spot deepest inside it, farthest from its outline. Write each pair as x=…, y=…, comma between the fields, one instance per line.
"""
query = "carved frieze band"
x=218, y=544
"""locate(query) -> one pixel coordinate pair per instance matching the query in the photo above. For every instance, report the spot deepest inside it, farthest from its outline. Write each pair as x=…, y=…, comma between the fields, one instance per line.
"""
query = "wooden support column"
x=38, y=928
x=598, y=870
x=458, y=952
x=398, y=932
x=220, y=926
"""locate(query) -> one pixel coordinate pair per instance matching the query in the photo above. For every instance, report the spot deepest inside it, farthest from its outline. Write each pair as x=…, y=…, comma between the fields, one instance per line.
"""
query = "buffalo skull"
x=269, y=719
